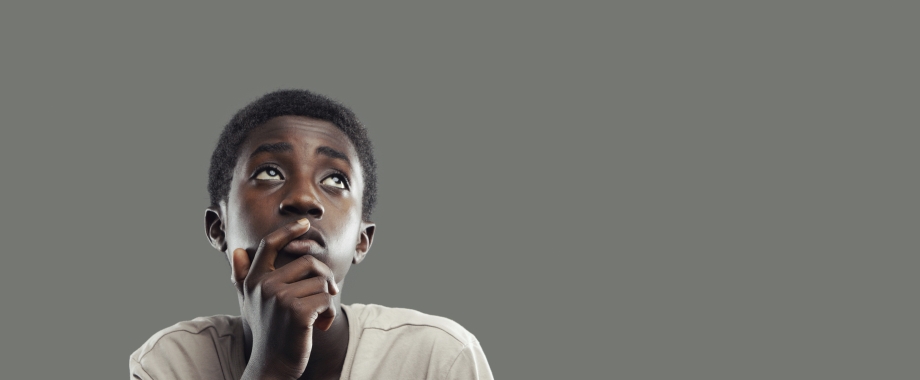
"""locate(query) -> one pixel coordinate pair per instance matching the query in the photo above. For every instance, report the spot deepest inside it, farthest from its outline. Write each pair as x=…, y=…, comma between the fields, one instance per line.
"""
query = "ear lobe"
x=364, y=241
x=214, y=228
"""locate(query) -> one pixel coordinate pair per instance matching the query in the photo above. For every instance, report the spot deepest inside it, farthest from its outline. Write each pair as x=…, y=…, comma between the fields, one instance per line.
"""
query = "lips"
x=310, y=243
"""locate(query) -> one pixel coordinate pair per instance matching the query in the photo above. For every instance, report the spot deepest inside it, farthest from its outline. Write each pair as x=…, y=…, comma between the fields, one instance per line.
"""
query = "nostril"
x=316, y=212
x=288, y=209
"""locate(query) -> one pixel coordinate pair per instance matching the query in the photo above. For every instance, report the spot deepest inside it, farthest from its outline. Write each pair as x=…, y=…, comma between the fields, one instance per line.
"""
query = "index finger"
x=264, y=261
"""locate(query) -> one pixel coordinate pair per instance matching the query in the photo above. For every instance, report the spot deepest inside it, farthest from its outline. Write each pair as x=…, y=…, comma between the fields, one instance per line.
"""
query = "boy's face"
x=289, y=168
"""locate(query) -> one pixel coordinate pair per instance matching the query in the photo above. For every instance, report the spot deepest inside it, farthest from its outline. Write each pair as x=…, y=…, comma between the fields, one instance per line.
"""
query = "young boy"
x=292, y=185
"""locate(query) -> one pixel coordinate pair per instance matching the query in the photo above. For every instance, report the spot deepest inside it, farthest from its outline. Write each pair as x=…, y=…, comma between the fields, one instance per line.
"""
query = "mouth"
x=310, y=243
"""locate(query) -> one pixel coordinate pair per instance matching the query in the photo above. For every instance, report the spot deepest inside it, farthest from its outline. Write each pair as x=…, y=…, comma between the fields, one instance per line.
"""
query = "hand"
x=282, y=306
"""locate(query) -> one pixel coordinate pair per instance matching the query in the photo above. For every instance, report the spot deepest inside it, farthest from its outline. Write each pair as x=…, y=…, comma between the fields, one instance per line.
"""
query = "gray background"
x=645, y=190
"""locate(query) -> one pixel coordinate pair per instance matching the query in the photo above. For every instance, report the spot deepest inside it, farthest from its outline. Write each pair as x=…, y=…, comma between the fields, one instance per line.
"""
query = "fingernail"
x=304, y=221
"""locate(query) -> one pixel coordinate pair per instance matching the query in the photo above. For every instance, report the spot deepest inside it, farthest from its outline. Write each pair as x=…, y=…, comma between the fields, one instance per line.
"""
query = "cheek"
x=248, y=222
x=345, y=237
x=342, y=248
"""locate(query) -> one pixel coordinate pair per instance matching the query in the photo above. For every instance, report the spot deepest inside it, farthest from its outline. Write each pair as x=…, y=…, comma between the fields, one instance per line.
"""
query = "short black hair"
x=290, y=103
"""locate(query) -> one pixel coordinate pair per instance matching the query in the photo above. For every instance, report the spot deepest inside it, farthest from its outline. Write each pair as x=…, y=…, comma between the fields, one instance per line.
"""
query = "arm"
x=282, y=306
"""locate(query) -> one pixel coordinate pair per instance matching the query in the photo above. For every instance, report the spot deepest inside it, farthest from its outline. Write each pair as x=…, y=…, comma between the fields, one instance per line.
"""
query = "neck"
x=327, y=356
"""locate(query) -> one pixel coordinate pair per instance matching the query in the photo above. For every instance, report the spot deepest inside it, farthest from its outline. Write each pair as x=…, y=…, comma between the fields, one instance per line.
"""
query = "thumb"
x=239, y=264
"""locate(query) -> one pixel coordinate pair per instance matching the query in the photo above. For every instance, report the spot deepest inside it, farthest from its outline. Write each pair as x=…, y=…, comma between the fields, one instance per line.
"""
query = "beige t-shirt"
x=383, y=343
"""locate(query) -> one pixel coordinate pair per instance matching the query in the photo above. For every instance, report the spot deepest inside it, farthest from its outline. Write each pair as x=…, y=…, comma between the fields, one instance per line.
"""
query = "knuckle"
x=327, y=272
x=249, y=284
x=323, y=284
x=269, y=288
x=311, y=261
x=283, y=294
x=305, y=314
x=264, y=243
x=264, y=292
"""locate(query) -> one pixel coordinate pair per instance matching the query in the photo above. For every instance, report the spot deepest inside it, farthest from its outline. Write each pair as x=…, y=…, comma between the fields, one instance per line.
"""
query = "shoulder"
x=403, y=343
x=382, y=318
x=197, y=331
x=201, y=345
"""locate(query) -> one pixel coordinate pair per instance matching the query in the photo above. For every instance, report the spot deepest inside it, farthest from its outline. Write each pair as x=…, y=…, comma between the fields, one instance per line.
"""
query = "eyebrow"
x=332, y=153
x=272, y=148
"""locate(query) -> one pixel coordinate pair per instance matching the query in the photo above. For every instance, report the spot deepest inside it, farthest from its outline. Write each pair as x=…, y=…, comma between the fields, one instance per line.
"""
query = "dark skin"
x=291, y=227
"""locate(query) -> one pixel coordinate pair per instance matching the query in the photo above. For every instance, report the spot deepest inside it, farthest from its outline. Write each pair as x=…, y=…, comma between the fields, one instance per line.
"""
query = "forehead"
x=300, y=131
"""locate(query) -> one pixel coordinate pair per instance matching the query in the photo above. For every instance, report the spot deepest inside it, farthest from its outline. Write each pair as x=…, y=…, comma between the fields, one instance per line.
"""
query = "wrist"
x=257, y=370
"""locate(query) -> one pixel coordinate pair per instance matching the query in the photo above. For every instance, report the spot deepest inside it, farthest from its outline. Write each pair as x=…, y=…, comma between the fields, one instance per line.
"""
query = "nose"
x=301, y=200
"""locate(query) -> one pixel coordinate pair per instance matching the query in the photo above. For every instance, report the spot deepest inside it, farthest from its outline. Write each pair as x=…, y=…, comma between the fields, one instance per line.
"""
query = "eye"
x=336, y=180
x=269, y=174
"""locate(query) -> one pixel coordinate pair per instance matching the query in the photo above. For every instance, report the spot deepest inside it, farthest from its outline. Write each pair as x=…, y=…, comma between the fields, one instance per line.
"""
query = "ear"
x=365, y=239
x=214, y=228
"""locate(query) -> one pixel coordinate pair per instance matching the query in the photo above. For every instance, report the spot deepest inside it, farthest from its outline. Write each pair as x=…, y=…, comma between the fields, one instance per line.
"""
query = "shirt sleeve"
x=471, y=363
x=137, y=372
x=181, y=355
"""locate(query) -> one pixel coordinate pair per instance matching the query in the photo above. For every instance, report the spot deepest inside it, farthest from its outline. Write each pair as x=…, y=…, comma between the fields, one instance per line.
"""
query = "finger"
x=264, y=261
x=317, y=310
x=239, y=265
x=304, y=288
x=325, y=319
x=305, y=267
